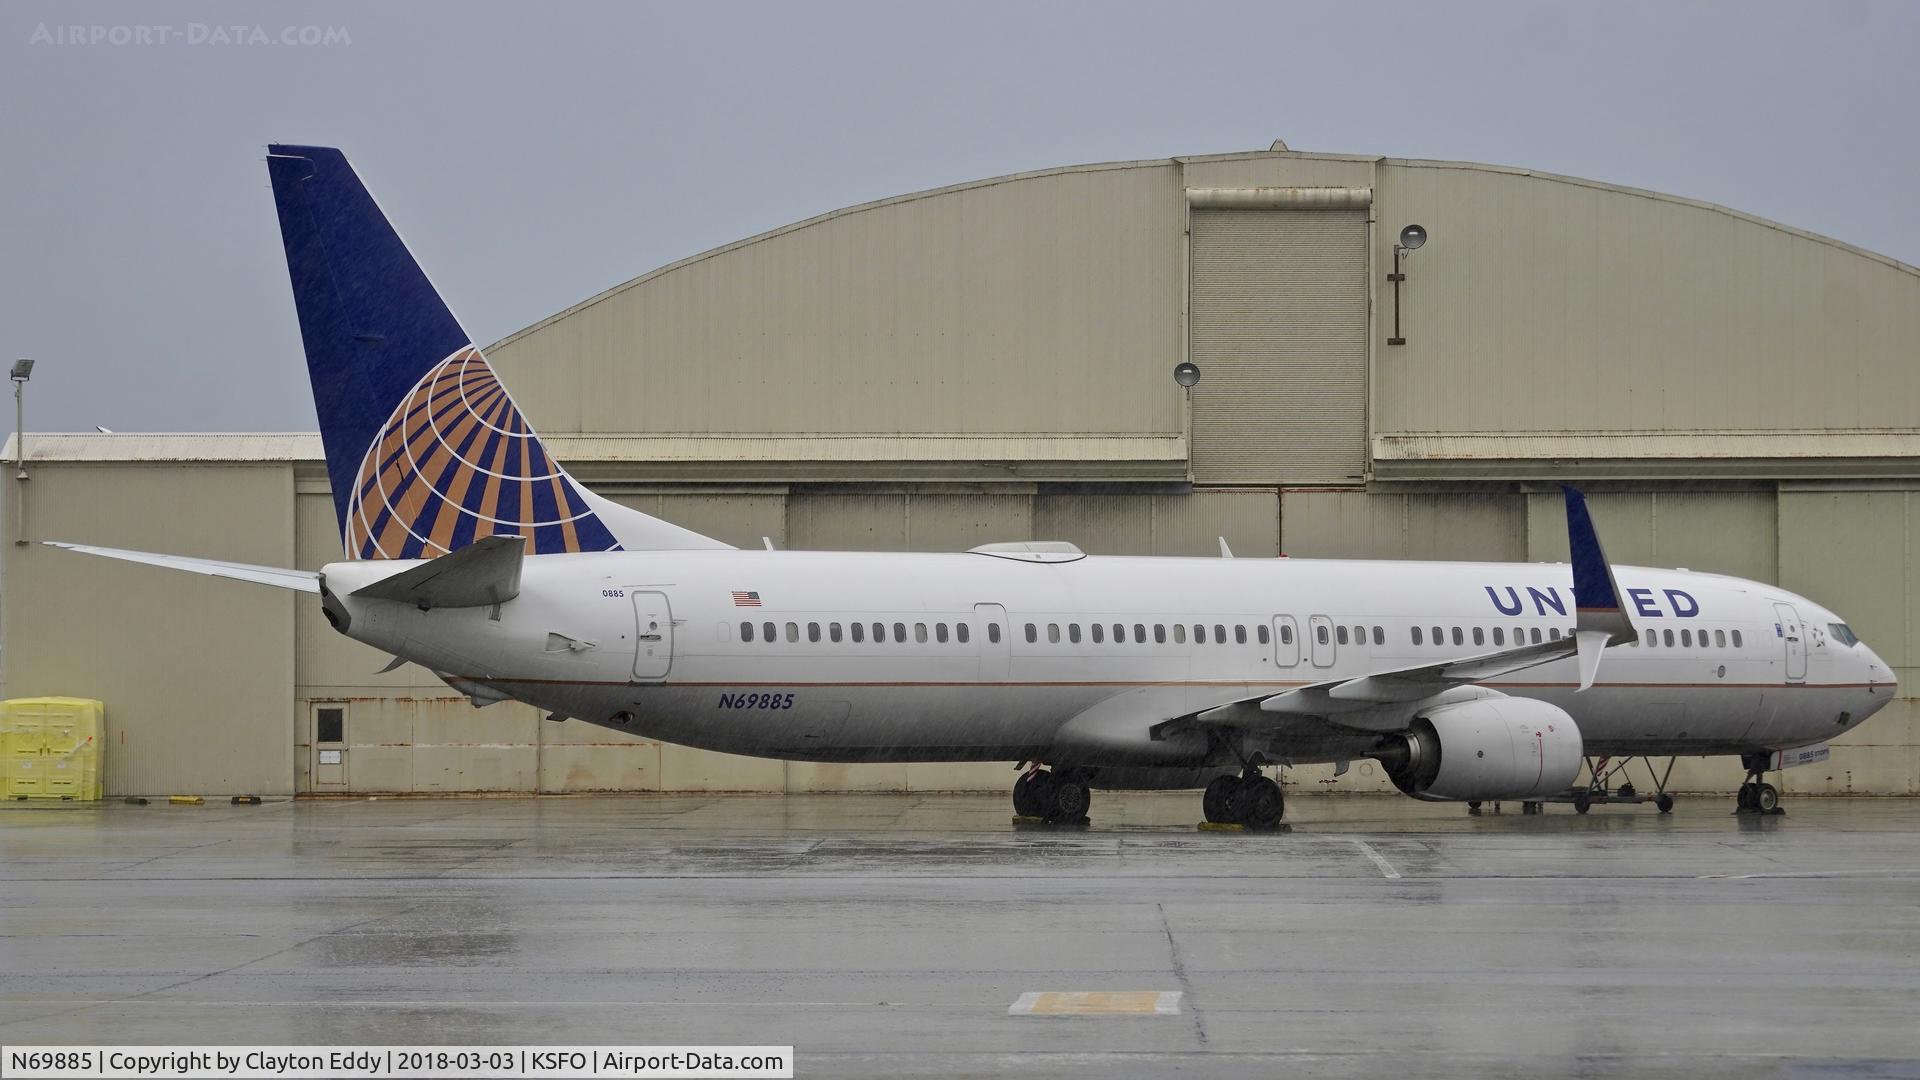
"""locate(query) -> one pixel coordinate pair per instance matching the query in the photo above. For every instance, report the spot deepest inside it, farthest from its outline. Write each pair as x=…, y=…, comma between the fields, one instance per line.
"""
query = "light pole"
x=1411, y=238
x=22, y=371
x=1187, y=374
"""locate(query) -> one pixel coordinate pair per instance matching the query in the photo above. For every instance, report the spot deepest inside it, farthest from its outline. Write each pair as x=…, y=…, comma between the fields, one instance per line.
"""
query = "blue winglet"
x=1592, y=580
x=1599, y=620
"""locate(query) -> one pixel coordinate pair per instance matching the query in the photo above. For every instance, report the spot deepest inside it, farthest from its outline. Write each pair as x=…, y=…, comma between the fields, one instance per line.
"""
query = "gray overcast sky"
x=534, y=156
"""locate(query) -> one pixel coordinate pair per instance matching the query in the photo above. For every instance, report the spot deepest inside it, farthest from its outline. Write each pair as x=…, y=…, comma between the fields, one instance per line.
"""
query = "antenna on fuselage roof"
x=1225, y=551
x=767, y=540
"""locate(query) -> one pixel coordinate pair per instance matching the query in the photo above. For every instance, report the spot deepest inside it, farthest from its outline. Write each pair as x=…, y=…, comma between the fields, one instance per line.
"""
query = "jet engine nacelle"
x=1490, y=748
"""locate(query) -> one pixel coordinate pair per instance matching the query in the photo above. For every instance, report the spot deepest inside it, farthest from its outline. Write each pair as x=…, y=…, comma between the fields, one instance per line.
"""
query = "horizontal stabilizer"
x=484, y=572
x=300, y=580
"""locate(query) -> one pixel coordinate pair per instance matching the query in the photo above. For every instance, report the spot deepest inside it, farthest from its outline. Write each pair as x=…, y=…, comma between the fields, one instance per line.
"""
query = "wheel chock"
x=185, y=800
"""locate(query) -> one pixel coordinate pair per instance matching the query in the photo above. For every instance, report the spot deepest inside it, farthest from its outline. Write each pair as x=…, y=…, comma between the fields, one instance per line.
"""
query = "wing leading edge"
x=1382, y=700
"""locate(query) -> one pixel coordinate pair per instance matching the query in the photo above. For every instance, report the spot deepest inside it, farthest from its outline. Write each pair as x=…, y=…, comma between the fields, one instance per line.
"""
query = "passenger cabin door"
x=996, y=650
x=1286, y=641
x=653, y=647
x=1321, y=628
x=1795, y=639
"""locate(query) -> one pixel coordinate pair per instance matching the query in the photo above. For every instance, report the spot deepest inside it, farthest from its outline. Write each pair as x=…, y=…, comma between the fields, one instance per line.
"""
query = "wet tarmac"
x=891, y=935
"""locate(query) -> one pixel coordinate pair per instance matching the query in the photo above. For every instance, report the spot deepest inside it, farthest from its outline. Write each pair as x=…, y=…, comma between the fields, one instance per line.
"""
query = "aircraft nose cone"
x=1879, y=675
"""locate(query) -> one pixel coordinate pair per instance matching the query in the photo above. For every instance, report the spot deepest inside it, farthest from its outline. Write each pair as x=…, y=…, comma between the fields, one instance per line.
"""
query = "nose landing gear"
x=1756, y=796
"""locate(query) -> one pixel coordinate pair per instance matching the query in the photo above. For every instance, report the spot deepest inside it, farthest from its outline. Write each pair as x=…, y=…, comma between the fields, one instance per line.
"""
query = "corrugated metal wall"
x=1356, y=524
x=1279, y=312
x=1045, y=304
x=1557, y=305
x=194, y=671
x=1854, y=547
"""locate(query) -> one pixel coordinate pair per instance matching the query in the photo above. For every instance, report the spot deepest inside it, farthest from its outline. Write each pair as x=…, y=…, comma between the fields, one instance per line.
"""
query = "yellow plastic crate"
x=50, y=748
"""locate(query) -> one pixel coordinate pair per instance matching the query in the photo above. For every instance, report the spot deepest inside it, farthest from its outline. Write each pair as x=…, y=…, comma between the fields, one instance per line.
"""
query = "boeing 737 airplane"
x=470, y=551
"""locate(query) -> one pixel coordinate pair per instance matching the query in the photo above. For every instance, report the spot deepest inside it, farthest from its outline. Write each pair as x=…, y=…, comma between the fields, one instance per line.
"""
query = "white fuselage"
x=754, y=652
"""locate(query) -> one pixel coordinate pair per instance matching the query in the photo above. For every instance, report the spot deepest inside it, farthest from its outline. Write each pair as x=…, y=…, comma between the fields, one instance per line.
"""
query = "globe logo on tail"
x=456, y=462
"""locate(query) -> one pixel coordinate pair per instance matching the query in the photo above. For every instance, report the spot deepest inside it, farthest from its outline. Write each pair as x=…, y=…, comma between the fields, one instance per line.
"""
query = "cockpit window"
x=1843, y=633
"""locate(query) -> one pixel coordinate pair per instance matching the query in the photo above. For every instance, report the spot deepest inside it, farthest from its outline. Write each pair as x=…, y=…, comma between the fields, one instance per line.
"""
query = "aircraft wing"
x=1385, y=700
x=299, y=580
x=1379, y=700
x=1415, y=683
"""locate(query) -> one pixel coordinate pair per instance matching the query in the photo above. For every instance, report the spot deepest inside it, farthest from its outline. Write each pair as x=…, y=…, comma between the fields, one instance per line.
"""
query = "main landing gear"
x=1756, y=795
x=1055, y=796
x=1252, y=799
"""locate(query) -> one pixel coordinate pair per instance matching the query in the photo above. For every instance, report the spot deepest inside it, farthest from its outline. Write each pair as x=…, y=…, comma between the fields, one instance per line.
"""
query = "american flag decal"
x=743, y=598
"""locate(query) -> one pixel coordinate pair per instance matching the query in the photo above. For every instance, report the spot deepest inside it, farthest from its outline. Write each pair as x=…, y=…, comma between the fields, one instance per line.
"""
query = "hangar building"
x=992, y=361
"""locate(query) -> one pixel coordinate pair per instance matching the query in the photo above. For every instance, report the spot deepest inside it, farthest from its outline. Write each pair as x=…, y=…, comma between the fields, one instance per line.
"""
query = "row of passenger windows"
x=939, y=632
x=1202, y=634
x=857, y=632
x=1530, y=635
x=1098, y=633
x=1688, y=638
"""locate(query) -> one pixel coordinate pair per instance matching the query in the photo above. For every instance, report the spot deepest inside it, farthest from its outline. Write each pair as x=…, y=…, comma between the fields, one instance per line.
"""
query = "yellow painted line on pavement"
x=1097, y=1003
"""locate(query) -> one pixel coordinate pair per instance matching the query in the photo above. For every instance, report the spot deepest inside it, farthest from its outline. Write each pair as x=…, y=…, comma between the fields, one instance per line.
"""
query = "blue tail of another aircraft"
x=426, y=450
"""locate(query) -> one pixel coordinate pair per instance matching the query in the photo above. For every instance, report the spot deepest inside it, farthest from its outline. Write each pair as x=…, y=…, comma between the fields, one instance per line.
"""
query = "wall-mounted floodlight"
x=1186, y=374
x=22, y=371
x=1411, y=238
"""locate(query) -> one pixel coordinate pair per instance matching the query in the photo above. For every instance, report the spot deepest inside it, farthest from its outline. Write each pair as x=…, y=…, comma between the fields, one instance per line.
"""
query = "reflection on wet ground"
x=888, y=935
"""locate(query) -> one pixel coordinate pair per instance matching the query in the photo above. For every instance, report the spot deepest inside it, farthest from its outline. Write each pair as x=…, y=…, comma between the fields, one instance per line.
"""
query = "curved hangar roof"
x=1025, y=327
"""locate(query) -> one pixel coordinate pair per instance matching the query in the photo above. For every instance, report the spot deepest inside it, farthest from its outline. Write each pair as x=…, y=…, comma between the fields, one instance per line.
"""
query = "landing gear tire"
x=1067, y=799
x=1744, y=800
x=1217, y=804
x=1260, y=803
x=1028, y=799
x=1766, y=798
x=1663, y=802
x=1473, y=807
x=1582, y=802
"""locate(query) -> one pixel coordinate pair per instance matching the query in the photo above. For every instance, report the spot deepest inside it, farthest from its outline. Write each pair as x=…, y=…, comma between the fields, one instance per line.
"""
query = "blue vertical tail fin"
x=426, y=450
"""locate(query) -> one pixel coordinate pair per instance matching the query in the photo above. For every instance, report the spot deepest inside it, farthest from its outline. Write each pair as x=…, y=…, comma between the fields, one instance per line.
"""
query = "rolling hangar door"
x=1278, y=300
